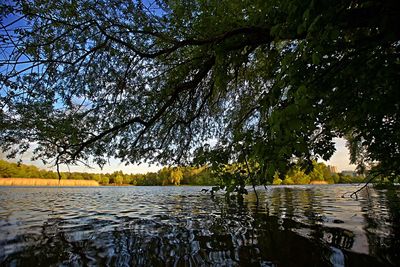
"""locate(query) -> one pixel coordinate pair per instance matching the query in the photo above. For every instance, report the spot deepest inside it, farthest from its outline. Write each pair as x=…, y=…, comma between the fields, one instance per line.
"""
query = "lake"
x=181, y=226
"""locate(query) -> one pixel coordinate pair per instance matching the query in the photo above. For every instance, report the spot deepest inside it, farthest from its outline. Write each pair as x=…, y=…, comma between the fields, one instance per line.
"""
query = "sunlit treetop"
x=268, y=82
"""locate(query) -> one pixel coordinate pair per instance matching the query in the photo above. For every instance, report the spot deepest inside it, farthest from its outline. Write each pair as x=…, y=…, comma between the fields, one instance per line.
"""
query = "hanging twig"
x=358, y=190
x=251, y=178
x=58, y=168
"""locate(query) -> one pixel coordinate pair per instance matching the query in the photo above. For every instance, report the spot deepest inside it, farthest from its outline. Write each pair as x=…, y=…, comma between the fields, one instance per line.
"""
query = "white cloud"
x=340, y=158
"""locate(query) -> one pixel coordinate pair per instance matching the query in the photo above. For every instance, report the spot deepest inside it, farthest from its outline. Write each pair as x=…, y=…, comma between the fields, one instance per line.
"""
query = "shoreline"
x=45, y=182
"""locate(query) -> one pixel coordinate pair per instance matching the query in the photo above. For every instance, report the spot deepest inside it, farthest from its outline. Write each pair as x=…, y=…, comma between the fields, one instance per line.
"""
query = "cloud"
x=341, y=157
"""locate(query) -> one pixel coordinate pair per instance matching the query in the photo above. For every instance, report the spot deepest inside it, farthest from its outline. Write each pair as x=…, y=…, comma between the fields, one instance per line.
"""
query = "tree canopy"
x=266, y=83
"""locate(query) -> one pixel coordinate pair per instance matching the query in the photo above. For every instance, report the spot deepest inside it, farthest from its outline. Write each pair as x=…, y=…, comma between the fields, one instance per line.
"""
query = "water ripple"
x=179, y=226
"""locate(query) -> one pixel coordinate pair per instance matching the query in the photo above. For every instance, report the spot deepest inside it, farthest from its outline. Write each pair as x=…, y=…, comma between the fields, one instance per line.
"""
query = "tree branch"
x=183, y=86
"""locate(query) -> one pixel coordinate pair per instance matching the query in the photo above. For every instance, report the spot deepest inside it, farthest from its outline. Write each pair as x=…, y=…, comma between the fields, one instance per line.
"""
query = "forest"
x=173, y=176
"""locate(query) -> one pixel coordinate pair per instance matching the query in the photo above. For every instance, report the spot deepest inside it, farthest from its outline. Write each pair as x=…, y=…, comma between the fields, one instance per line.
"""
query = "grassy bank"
x=45, y=182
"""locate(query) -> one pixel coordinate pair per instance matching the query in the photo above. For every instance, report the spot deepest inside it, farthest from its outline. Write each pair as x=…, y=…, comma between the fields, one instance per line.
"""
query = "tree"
x=288, y=181
x=276, y=180
x=7, y=170
x=335, y=178
x=164, y=175
x=269, y=80
x=119, y=179
x=317, y=173
x=176, y=176
x=298, y=176
x=104, y=180
x=127, y=179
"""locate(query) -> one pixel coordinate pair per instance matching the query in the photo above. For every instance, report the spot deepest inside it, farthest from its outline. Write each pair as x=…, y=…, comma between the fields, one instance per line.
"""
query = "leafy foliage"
x=165, y=176
x=271, y=82
x=18, y=170
x=232, y=178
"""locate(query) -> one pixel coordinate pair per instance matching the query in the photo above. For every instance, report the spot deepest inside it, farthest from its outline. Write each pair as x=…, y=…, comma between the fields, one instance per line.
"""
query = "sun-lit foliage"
x=231, y=178
x=165, y=176
x=45, y=182
x=269, y=83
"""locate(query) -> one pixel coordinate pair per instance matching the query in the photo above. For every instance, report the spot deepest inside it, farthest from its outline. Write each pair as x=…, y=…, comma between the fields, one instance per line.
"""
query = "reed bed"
x=318, y=182
x=45, y=182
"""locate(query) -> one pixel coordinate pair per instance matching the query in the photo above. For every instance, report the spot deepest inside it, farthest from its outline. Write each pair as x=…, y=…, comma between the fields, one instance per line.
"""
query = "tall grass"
x=45, y=182
x=318, y=182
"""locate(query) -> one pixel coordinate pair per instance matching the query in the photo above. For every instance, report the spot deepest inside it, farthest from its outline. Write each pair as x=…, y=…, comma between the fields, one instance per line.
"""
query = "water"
x=180, y=226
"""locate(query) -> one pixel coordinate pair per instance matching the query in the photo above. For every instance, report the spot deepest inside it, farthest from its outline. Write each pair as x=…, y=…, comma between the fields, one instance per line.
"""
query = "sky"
x=340, y=159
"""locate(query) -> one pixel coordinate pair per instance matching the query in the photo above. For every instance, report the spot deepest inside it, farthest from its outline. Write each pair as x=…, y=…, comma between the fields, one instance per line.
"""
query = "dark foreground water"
x=179, y=226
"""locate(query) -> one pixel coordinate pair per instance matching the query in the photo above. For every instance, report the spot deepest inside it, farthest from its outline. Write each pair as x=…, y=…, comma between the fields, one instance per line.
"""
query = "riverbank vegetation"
x=320, y=174
x=45, y=182
x=165, y=176
x=18, y=174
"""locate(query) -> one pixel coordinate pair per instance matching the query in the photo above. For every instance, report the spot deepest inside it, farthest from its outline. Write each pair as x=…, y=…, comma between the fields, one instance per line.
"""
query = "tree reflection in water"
x=238, y=234
x=382, y=213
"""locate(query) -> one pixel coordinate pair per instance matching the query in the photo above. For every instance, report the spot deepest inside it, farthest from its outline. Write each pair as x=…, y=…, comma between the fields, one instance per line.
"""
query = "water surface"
x=180, y=226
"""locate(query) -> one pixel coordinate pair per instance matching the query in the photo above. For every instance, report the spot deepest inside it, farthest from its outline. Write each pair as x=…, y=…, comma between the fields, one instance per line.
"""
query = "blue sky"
x=339, y=159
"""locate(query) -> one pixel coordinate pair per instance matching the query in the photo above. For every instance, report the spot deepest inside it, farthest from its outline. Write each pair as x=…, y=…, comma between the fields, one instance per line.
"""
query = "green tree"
x=164, y=176
x=150, y=178
x=119, y=179
x=104, y=180
x=268, y=80
x=50, y=175
x=75, y=176
x=288, y=181
x=298, y=176
x=7, y=170
x=176, y=176
x=335, y=178
x=127, y=179
x=317, y=173
x=276, y=180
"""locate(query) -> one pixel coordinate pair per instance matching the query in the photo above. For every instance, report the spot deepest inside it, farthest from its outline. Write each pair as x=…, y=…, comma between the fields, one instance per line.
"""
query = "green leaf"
x=301, y=28
x=315, y=59
x=306, y=14
x=275, y=30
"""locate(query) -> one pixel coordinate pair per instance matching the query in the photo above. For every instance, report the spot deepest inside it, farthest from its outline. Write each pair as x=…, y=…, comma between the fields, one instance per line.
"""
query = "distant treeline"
x=320, y=173
x=171, y=175
x=165, y=176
